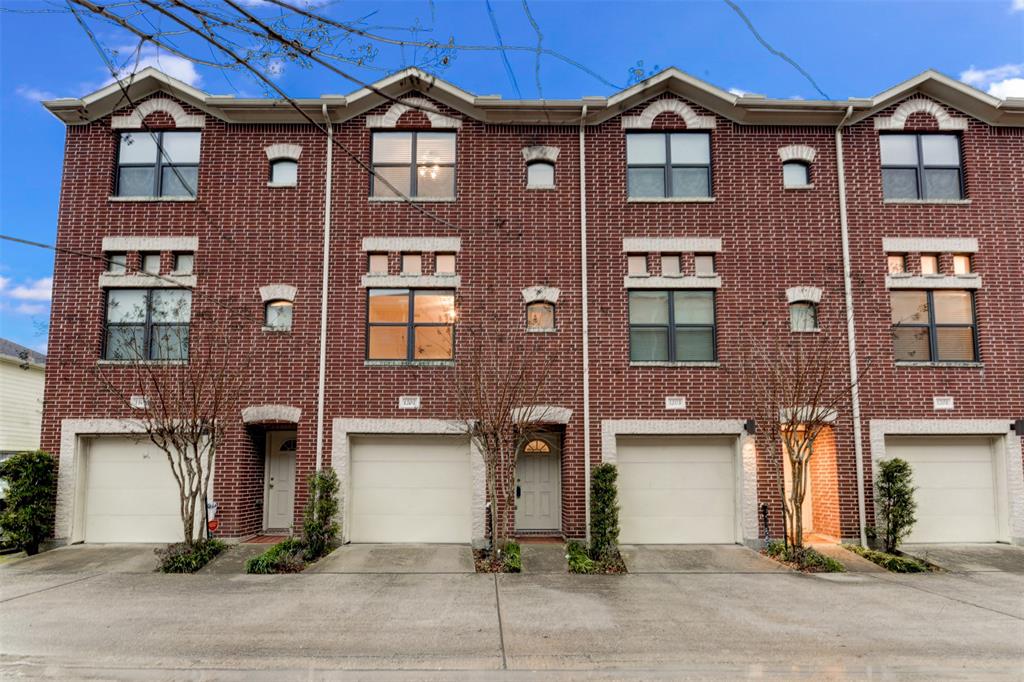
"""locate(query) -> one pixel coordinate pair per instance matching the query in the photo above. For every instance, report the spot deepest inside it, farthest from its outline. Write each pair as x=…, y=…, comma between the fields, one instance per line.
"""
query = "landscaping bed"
x=806, y=559
x=181, y=558
x=897, y=563
x=580, y=561
x=509, y=561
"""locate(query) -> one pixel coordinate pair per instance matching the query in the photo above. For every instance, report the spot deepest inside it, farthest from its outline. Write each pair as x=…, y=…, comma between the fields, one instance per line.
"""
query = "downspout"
x=851, y=337
x=326, y=260
x=585, y=311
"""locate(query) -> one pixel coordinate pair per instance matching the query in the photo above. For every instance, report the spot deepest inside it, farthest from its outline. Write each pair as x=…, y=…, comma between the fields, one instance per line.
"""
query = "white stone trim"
x=255, y=414
x=1008, y=455
x=277, y=292
x=164, y=104
x=283, y=150
x=341, y=460
x=689, y=282
x=646, y=118
x=539, y=293
x=968, y=281
x=547, y=414
x=413, y=244
x=898, y=120
x=540, y=153
x=150, y=244
x=411, y=281
x=827, y=416
x=141, y=280
x=671, y=244
x=929, y=244
x=797, y=152
x=746, y=456
x=390, y=118
x=801, y=294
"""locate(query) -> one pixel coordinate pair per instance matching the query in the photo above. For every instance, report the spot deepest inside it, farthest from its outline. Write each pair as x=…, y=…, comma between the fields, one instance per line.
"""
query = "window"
x=540, y=316
x=277, y=315
x=412, y=264
x=896, y=264
x=670, y=265
x=183, y=263
x=540, y=174
x=444, y=264
x=668, y=164
x=417, y=164
x=672, y=326
x=637, y=266
x=117, y=263
x=158, y=164
x=151, y=263
x=961, y=264
x=284, y=172
x=921, y=167
x=933, y=326
x=796, y=174
x=410, y=324
x=378, y=264
x=803, y=316
x=704, y=264
x=929, y=265
x=537, y=446
x=147, y=324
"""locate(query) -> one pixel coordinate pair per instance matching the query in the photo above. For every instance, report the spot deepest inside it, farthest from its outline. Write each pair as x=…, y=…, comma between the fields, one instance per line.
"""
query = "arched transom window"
x=537, y=446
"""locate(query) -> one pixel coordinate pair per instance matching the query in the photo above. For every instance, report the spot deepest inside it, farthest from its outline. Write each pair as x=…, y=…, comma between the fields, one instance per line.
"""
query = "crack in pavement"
x=51, y=587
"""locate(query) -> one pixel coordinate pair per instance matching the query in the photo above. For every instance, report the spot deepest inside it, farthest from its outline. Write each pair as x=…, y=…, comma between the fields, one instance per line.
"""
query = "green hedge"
x=579, y=560
x=284, y=557
x=604, y=511
x=31, y=480
x=806, y=558
x=890, y=562
x=180, y=558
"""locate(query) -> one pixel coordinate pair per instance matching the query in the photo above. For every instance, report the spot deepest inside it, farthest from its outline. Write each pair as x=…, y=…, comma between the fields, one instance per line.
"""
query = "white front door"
x=538, y=487
x=280, y=479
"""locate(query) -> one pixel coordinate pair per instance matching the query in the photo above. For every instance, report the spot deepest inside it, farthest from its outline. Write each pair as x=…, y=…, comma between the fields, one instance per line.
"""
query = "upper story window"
x=284, y=173
x=803, y=316
x=637, y=264
x=796, y=174
x=921, y=166
x=933, y=326
x=158, y=164
x=929, y=264
x=676, y=165
x=896, y=263
x=277, y=315
x=540, y=174
x=150, y=263
x=672, y=326
x=444, y=264
x=412, y=264
x=961, y=264
x=117, y=263
x=670, y=265
x=704, y=264
x=378, y=264
x=540, y=316
x=184, y=263
x=410, y=324
x=147, y=324
x=419, y=164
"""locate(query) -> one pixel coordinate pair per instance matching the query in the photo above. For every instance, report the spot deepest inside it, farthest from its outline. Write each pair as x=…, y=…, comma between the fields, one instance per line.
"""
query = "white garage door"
x=956, y=487
x=130, y=493
x=675, y=490
x=410, y=489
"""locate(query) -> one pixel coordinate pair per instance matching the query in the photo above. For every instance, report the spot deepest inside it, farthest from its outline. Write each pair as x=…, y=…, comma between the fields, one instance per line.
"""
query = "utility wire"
x=540, y=47
x=504, y=55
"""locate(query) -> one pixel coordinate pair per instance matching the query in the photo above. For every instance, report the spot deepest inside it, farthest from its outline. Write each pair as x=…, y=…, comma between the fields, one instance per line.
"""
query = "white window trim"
x=685, y=282
x=970, y=280
x=637, y=245
x=645, y=120
x=412, y=244
x=135, y=119
x=929, y=244
x=411, y=281
x=898, y=120
x=797, y=152
x=539, y=294
x=283, y=152
x=278, y=292
x=109, y=280
x=803, y=294
x=390, y=118
x=150, y=244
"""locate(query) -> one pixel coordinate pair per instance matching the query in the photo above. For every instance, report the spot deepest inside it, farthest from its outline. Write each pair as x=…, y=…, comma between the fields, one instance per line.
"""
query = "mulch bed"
x=485, y=563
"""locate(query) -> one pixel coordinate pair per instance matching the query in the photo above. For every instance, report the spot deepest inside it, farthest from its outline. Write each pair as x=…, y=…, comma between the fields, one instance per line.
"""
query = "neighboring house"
x=22, y=380
x=702, y=216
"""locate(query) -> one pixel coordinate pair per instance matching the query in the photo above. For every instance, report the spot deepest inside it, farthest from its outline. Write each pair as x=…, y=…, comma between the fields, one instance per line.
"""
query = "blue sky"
x=850, y=48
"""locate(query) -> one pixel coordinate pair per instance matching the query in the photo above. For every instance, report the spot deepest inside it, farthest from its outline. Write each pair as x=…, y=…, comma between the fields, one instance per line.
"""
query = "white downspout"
x=851, y=337
x=326, y=259
x=585, y=311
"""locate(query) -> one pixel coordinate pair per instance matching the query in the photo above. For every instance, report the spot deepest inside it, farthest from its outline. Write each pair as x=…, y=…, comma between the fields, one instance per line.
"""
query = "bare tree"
x=173, y=373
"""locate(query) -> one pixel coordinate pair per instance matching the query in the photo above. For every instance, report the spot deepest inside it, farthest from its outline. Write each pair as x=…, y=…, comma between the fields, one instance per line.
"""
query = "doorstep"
x=232, y=560
x=854, y=563
x=543, y=557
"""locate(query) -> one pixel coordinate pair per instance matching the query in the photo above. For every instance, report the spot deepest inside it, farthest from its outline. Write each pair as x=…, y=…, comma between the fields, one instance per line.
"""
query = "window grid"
x=668, y=166
x=413, y=166
x=920, y=168
x=160, y=163
x=150, y=330
x=410, y=324
x=672, y=327
x=931, y=329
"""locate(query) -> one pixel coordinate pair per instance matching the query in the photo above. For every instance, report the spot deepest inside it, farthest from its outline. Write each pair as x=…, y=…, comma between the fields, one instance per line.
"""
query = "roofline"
x=15, y=360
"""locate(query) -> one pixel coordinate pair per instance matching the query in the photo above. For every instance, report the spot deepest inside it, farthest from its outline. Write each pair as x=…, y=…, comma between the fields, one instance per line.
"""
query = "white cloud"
x=1000, y=81
x=738, y=92
x=30, y=308
x=34, y=94
x=1017, y=6
x=172, y=65
x=33, y=290
x=1011, y=87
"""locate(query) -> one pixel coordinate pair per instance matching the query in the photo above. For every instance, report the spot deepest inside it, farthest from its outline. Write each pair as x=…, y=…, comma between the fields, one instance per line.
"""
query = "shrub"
x=806, y=558
x=894, y=498
x=604, y=512
x=579, y=560
x=890, y=562
x=284, y=557
x=27, y=518
x=513, y=558
x=180, y=558
x=319, y=528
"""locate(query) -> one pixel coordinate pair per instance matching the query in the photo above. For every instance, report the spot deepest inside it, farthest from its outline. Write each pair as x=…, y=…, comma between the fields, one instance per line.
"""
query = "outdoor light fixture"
x=1018, y=427
x=750, y=426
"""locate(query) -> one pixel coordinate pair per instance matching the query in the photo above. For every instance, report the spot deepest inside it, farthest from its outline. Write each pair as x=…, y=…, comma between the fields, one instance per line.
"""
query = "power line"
x=504, y=56
x=540, y=46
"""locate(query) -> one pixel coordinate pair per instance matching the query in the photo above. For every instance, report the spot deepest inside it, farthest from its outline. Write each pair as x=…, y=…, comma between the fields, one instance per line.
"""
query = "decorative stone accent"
x=142, y=281
x=412, y=281
x=918, y=105
x=168, y=106
x=690, y=282
x=390, y=119
x=539, y=293
x=546, y=414
x=646, y=118
x=277, y=292
x=671, y=245
x=968, y=281
x=261, y=414
x=930, y=245
x=283, y=151
x=798, y=294
x=828, y=416
x=540, y=153
x=413, y=244
x=797, y=152
x=151, y=243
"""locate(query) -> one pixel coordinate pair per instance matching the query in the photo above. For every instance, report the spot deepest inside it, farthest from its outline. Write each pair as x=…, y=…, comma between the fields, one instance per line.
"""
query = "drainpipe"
x=326, y=259
x=585, y=311
x=851, y=337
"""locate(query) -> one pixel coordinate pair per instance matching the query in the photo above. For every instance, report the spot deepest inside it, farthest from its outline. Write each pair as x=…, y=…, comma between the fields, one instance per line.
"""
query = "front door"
x=280, y=479
x=539, y=485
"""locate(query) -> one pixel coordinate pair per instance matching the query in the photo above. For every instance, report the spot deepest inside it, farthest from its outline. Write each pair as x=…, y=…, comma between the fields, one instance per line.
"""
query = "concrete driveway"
x=88, y=559
x=397, y=559
x=971, y=558
x=696, y=559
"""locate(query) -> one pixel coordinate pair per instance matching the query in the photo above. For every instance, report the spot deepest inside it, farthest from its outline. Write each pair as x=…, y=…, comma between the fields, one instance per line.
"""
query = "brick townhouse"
x=636, y=244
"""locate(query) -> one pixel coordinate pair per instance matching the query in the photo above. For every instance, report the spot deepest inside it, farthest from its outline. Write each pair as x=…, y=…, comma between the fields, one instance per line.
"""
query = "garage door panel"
x=432, y=502
x=411, y=528
x=675, y=476
x=382, y=474
x=959, y=474
x=951, y=502
x=655, y=530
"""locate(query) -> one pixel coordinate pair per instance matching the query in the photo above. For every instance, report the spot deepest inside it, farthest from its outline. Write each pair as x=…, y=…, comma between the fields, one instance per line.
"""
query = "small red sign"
x=213, y=524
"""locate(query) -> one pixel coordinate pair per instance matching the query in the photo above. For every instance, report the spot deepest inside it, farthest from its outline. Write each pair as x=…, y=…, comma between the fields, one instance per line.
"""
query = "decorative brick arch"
x=803, y=294
x=681, y=109
x=164, y=104
x=277, y=292
x=390, y=119
x=539, y=293
x=271, y=414
x=920, y=105
x=283, y=151
x=797, y=152
x=540, y=153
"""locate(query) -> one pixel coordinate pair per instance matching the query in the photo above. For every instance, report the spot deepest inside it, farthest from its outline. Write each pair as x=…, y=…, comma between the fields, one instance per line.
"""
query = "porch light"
x=750, y=426
x=1018, y=427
